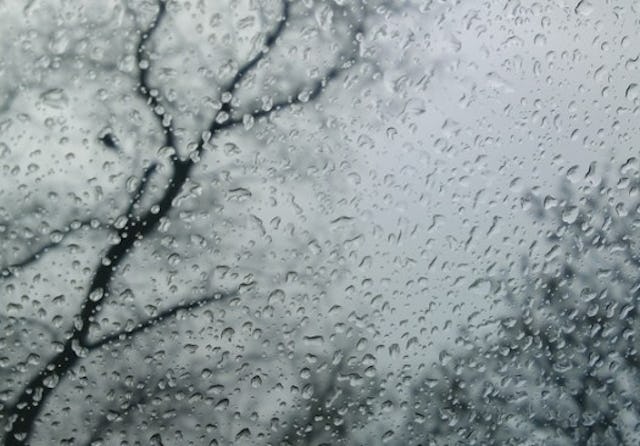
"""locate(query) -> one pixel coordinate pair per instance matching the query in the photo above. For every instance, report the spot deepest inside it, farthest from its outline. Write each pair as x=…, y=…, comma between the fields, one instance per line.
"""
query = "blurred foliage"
x=561, y=366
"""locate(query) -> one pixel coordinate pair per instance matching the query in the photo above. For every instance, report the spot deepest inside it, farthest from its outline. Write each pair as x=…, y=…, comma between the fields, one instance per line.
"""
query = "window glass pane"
x=319, y=222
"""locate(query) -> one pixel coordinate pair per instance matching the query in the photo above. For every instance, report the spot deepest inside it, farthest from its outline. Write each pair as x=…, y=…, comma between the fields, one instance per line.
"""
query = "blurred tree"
x=337, y=395
x=320, y=394
x=191, y=97
x=562, y=366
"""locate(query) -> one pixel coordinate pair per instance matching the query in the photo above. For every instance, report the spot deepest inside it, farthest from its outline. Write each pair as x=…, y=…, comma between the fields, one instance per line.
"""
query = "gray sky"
x=495, y=99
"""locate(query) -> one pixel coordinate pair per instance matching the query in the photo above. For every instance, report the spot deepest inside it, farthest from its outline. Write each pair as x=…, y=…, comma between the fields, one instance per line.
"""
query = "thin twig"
x=158, y=319
x=269, y=42
x=242, y=72
x=299, y=96
x=307, y=94
x=35, y=256
x=139, y=192
x=151, y=96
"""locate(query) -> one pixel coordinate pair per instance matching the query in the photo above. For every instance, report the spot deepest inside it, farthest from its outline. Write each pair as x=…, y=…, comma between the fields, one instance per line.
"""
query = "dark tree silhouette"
x=561, y=366
x=246, y=92
x=336, y=398
x=333, y=384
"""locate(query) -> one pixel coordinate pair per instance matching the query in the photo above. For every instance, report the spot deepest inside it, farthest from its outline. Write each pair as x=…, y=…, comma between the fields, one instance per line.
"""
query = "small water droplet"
x=55, y=98
x=243, y=434
x=96, y=295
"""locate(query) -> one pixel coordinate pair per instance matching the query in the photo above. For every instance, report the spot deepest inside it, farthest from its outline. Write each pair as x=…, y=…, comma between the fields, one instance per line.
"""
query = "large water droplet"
x=584, y=8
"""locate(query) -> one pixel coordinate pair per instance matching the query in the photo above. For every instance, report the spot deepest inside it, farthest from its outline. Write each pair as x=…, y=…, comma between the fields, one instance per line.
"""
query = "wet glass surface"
x=337, y=222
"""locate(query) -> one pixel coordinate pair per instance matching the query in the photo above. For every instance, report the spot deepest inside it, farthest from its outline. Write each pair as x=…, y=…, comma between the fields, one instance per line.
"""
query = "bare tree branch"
x=149, y=94
x=8, y=271
x=139, y=192
x=312, y=92
x=158, y=319
x=270, y=41
x=9, y=321
x=268, y=44
x=139, y=398
x=302, y=95
x=27, y=406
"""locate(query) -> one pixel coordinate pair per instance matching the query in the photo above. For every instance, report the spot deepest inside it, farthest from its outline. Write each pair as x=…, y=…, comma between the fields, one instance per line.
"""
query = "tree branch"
x=135, y=199
x=151, y=96
x=34, y=257
x=22, y=321
x=26, y=408
x=302, y=95
x=270, y=41
x=308, y=94
x=268, y=44
x=139, y=398
x=158, y=319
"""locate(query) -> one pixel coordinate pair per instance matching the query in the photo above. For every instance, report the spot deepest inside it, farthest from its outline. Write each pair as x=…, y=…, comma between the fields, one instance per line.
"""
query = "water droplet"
x=222, y=405
x=570, y=214
x=228, y=333
x=243, y=434
x=96, y=295
x=584, y=8
x=51, y=381
x=239, y=194
x=55, y=98
x=632, y=92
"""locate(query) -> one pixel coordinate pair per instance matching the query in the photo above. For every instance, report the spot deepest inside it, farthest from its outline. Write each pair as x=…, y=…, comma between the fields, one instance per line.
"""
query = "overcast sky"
x=496, y=99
